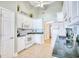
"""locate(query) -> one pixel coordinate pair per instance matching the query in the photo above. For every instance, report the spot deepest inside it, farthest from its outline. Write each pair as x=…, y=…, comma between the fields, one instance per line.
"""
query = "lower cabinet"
x=28, y=41
x=24, y=42
x=38, y=38
x=20, y=43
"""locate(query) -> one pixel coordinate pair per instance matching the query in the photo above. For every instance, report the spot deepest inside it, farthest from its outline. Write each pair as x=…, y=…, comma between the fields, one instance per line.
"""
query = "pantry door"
x=7, y=42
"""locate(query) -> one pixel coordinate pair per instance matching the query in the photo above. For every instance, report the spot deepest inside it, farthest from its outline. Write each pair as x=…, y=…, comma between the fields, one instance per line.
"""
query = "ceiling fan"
x=40, y=3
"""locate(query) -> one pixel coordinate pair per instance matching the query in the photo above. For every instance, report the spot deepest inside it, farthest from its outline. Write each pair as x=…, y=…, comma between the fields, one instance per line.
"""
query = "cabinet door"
x=38, y=38
x=74, y=9
x=69, y=8
x=78, y=7
x=21, y=44
x=19, y=20
x=7, y=41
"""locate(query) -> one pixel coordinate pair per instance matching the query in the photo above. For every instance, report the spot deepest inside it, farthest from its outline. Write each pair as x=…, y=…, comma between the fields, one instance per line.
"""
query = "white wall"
x=11, y=5
x=31, y=9
x=23, y=7
x=37, y=24
x=51, y=12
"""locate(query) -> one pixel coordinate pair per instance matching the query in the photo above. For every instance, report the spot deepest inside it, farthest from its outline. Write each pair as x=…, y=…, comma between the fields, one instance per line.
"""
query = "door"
x=7, y=42
x=47, y=33
x=0, y=31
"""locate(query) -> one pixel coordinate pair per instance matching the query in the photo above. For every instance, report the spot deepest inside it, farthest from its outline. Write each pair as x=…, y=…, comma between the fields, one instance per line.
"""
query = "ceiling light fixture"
x=40, y=3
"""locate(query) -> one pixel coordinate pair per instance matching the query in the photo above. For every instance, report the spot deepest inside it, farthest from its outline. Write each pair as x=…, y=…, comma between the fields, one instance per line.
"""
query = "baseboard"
x=16, y=54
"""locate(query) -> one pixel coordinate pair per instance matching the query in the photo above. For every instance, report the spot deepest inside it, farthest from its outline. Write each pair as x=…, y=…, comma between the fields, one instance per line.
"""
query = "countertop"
x=35, y=33
x=19, y=35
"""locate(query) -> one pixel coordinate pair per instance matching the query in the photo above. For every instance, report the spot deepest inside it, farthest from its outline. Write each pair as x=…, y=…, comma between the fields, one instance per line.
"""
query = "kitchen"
x=50, y=27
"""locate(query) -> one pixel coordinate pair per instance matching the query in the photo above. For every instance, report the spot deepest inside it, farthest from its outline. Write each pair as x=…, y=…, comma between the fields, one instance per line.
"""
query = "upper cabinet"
x=70, y=10
x=74, y=9
x=78, y=7
x=23, y=21
x=65, y=8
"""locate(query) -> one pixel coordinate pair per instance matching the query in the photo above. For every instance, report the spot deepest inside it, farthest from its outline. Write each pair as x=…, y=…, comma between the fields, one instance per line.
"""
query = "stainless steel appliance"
x=69, y=37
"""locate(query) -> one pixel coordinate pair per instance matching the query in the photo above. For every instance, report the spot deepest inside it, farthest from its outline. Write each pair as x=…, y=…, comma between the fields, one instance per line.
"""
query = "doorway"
x=47, y=33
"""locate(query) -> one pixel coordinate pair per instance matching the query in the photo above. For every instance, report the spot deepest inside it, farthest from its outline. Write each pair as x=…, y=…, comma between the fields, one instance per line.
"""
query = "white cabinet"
x=62, y=31
x=65, y=8
x=21, y=43
x=24, y=42
x=23, y=21
x=38, y=38
x=29, y=41
x=71, y=10
x=7, y=33
x=19, y=20
x=78, y=7
x=74, y=9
